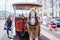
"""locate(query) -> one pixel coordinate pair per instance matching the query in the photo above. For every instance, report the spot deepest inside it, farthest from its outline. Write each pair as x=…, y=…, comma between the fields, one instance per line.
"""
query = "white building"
x=56, y=8
x=47, y=7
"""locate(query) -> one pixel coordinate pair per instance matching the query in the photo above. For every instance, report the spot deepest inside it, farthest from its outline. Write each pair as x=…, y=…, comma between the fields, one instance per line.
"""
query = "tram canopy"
x=25, y=6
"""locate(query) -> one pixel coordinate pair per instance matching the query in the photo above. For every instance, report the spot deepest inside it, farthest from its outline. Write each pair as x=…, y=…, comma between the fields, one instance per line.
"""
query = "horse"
x=33, y=26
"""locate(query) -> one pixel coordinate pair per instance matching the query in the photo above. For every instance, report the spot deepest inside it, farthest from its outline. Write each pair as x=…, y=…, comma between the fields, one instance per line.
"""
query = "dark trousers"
x=8, y=29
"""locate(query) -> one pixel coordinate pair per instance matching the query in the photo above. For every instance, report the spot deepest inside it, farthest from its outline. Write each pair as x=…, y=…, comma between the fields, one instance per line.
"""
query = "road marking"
x=57, y=32
x=49, y=36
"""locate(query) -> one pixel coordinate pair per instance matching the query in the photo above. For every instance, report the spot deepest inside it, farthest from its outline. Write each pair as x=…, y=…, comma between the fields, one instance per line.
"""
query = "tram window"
x=20, y=12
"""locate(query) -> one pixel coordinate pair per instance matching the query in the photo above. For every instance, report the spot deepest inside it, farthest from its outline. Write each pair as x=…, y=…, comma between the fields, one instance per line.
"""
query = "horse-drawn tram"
x=28, y=27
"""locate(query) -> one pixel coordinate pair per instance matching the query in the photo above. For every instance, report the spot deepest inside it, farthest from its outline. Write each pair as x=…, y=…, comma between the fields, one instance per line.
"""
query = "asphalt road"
x=17, y=37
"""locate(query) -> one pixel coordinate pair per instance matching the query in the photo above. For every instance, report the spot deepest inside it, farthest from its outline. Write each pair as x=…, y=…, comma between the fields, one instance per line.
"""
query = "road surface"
x=42, y=37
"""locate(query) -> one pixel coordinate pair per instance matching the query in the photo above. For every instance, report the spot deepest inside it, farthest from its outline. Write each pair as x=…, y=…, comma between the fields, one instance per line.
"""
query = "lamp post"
x=52, y=10
x=5, y=9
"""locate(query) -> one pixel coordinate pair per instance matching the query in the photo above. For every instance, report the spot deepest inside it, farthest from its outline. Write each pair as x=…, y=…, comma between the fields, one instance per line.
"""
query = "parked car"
x=55, y=22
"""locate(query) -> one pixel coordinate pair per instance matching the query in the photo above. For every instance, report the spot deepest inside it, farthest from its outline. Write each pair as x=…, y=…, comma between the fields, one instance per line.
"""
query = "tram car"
x=23, y=24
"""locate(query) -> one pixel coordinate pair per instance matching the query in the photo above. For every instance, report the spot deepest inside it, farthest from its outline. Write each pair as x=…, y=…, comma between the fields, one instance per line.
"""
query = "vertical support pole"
x=26, y=8
x=5, y=9
x=52, y=10
x=14, y=11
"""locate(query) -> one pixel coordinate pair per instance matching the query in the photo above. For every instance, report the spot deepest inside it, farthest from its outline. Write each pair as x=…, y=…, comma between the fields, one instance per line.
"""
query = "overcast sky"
x=10, y=2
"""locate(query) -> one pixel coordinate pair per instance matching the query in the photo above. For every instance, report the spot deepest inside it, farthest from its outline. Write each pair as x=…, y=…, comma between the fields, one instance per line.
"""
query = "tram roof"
x=25, y=6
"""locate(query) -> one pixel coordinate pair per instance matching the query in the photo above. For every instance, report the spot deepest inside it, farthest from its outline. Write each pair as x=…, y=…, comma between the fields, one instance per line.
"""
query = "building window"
x=59, y=13
x=56, y=13
x=44, y=2
x=50, y=3
x=56, y=1
x=59, y=0
x=56, y=6
x=59, y=5
x=40, y=1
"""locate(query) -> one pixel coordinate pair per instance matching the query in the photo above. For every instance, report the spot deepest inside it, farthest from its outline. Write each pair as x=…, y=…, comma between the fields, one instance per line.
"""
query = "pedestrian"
x=8, y=25
x=45, y=19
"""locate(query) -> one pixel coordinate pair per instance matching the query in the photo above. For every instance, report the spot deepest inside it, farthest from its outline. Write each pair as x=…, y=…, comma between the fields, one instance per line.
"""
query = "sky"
x=2, y=4
x=9, y=3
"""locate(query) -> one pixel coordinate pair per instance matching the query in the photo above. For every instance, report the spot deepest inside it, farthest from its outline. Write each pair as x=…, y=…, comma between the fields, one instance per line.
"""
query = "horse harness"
x=32, y=27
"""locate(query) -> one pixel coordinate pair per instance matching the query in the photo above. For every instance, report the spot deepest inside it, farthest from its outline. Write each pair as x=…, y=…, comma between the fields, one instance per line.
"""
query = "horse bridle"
x=33, y=27
x=36, y=20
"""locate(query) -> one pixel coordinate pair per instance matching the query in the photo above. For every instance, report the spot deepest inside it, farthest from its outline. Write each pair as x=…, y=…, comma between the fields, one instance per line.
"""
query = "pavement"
x=2, y=31
x=49, y=34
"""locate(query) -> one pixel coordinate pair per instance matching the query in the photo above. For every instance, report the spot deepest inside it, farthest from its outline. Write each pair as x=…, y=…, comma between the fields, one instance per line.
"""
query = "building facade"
x=51, y=8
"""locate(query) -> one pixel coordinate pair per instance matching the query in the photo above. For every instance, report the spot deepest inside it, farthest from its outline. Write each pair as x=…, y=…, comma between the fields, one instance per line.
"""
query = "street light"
x=5, y=9
x=52, y=9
